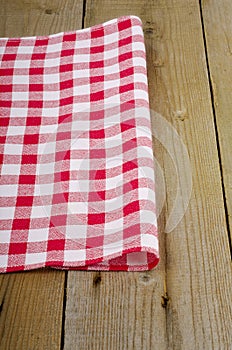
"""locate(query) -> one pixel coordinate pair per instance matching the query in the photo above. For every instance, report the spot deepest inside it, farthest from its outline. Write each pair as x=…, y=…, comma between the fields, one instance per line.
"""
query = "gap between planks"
x=219, y=146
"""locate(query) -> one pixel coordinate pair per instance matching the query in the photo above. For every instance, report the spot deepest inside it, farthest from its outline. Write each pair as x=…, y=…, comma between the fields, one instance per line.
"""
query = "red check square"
x=18, y=248
x=56, y=244
x=96, y=219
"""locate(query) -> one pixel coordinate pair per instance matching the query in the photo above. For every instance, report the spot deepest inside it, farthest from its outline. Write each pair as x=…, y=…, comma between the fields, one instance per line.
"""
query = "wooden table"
x=186, y=302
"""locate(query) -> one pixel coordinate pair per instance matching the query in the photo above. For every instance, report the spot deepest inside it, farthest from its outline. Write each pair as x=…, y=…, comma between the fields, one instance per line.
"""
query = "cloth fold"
x=77, y=179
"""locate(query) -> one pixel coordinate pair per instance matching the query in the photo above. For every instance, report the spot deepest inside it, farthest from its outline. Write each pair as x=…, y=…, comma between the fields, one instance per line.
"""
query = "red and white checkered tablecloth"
x=77, y=177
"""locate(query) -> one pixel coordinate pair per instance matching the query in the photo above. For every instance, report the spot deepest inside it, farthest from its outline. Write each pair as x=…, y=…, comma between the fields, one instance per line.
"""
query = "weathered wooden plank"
x=218, y=33
x=31, y=310
x=121, y=311
x=198, y=258
x=39, y=17
x=32, y=302
x=115, y=310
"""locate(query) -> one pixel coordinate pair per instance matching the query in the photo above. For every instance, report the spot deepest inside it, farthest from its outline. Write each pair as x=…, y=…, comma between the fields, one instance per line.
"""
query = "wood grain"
x=31, y=310
x=218, y=33
x=32, y=302
x=123, y=310
x=39, y=17
x=198, y=259
x=117, y=312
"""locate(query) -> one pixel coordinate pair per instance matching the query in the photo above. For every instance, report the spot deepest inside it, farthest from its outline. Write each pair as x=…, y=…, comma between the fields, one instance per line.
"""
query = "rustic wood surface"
x=189, y=70
x=218, y=34
x=31, y=310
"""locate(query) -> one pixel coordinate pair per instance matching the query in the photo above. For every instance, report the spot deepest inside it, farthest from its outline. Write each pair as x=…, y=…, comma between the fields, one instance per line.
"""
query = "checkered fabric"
x=77, y=177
